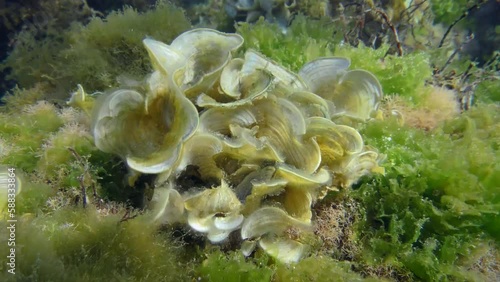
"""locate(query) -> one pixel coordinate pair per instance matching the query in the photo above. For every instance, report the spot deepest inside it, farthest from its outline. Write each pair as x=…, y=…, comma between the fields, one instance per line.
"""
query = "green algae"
x=97, y=58
x=32, y=198
x=432, y=216
x=308, y=39
x=235, y=267
x=95, y=54
x=439, y=196
x=404, y=76
x=25, y=133
x=304, y=41
x=80, y=245
x=447, y=11
x=54, y=146
x=319, y=268
x=488, y=91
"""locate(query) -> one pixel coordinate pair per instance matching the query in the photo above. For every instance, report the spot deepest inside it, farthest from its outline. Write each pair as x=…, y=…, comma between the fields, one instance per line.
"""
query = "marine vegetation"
x=262, y=144
x=83, y=53
x=282, y=151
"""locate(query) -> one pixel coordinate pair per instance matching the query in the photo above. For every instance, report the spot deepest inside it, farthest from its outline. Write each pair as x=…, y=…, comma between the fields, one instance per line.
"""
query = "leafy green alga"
x=439, y=198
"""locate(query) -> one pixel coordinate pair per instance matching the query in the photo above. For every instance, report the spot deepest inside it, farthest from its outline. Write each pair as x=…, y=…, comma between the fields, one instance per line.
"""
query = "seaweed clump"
x=264, y=147
x=241, y=182
x=434, y=206
x=308, y=39
x=77, y=244
x=94, y=54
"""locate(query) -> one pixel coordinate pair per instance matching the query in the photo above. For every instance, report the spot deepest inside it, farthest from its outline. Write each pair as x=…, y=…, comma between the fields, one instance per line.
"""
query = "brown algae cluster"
x=257, y=143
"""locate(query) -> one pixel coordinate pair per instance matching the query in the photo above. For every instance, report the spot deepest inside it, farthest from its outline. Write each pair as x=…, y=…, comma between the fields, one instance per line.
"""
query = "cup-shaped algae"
x=354, y=93
x=271, y=227
x=214, y=211
x=265, y=135
x=195, y=58
x=148, y=131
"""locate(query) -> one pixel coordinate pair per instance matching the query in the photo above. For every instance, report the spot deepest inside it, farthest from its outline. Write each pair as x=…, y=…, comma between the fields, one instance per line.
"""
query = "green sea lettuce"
x=438, y=197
